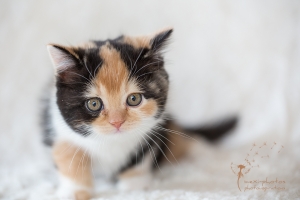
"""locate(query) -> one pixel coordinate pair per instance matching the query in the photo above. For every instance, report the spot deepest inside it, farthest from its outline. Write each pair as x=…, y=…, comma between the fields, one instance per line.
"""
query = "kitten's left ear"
x=160, y=40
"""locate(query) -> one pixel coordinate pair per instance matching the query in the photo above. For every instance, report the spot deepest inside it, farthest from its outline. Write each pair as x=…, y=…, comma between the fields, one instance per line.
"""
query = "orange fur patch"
x=149, y=108
x=87, y=45
x=113, y=74
x=73, y=163
x=111, y=82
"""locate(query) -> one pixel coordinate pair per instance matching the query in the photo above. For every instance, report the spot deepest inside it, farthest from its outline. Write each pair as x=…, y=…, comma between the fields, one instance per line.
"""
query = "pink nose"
x=117, y=124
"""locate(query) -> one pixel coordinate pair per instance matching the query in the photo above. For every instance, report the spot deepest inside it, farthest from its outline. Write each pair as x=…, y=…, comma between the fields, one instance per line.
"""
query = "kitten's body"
x=119, y=139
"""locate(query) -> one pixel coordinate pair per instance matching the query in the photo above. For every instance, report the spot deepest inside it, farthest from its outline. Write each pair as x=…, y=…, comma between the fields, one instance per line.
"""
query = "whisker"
x=80, y=76
x=131, y=67
x=144, y=74
x=137, y=59
x=159, y=148
x=97, y=69
x=139, y=55
x=168, y=149
x=84, y=62
x=78, y=148
x=142, y=151
x=82, y=164
x=163, y=136
x=79, y=165
x=177, y=132
x=145, y=66
x=151, y=150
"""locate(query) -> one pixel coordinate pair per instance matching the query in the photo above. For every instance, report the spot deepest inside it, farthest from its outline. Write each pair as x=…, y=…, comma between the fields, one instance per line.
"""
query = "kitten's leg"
x=136, y=177
x=74, y=166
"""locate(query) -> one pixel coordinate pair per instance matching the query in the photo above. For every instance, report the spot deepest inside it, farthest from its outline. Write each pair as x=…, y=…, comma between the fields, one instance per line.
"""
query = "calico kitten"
x=108, y=108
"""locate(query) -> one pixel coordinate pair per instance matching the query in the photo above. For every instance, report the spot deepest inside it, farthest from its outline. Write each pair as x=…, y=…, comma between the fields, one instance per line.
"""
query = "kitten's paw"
x=69, y=190
x=66, y=194
x=134, y=183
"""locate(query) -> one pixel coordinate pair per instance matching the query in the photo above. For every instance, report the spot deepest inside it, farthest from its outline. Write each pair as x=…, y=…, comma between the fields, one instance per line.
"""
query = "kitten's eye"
x=134, y=99
x=94, y=104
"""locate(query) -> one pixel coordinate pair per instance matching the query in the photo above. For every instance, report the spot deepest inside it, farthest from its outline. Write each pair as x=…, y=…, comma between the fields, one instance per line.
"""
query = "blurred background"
x=225, y=58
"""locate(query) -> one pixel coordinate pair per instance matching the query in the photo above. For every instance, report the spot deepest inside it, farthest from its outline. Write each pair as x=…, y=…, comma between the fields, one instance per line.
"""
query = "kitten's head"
x=112, y=86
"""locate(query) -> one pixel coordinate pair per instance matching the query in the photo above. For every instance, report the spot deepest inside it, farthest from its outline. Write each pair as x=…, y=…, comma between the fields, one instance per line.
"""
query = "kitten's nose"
x=116, y=124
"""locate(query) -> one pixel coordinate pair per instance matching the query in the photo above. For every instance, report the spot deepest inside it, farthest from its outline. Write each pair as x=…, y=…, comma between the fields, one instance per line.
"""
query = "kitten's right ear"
x=62, y=58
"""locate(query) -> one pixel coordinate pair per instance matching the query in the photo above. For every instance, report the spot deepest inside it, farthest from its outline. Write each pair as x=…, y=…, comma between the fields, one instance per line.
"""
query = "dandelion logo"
x=250, y=162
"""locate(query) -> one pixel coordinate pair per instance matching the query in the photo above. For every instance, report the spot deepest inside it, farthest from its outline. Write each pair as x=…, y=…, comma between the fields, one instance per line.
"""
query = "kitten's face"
x=113, y=86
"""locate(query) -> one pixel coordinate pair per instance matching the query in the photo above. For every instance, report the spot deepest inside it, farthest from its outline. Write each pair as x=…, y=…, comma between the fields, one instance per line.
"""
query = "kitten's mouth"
x=117, y=131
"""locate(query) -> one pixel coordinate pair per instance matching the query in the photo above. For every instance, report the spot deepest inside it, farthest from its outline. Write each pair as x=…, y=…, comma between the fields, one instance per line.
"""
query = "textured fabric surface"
x=226, y=57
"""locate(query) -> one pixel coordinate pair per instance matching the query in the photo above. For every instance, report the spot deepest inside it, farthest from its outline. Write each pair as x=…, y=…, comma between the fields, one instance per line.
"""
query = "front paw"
x=70, y=190
x=67, y=194
x=82, y=195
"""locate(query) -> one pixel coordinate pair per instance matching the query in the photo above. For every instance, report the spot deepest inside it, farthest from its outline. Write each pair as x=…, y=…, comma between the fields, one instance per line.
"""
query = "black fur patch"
x=215, y=131
x=71, y=85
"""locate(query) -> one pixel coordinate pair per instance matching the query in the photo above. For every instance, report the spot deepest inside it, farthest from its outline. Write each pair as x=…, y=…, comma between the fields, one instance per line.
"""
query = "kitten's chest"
x=109, y=155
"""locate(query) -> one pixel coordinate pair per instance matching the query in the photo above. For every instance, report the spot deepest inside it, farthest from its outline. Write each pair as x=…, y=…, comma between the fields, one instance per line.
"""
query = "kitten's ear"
x=62, y=57
x=160, y=40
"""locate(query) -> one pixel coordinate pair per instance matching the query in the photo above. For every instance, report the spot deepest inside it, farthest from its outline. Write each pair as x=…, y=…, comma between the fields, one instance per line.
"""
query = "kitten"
x=108, y=107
